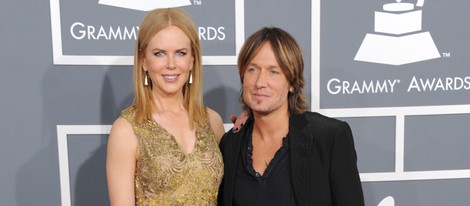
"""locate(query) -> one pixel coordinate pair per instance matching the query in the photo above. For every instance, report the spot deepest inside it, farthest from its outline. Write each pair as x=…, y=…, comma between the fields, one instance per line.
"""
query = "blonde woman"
x=163, y=149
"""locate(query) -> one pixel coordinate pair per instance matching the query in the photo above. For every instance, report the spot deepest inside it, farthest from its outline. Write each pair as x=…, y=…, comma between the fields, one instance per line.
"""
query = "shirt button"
x=257, y=174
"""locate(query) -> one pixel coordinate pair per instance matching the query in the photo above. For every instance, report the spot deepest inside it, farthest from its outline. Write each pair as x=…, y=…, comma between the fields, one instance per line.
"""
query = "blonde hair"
x=155, y=21
x=289, y=57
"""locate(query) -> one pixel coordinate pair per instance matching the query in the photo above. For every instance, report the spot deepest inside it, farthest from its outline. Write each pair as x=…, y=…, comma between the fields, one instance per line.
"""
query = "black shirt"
x=273, y=187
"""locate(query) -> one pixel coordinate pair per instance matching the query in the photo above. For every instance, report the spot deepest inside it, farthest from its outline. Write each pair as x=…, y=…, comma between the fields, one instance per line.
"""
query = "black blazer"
x=322, y=162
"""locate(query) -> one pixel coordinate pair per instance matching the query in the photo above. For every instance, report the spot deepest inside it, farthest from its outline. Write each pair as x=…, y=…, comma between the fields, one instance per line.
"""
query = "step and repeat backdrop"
x=396, y=71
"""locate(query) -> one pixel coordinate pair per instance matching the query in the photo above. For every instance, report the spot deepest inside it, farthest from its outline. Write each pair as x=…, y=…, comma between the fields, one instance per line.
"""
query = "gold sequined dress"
x=165, y=175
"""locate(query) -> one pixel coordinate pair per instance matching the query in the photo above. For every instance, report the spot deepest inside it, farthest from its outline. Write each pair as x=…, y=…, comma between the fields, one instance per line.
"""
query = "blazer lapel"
x=303, y=160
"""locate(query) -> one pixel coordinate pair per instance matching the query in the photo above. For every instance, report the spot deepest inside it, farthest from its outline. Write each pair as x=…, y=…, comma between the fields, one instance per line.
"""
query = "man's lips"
x=260, y=95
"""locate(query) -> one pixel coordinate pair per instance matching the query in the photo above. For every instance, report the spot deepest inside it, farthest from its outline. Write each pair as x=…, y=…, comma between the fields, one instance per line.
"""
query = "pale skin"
x=168, y=60
x=265, y=91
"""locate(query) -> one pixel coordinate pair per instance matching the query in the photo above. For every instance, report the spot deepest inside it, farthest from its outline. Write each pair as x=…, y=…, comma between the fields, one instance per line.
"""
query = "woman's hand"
x=239, y=121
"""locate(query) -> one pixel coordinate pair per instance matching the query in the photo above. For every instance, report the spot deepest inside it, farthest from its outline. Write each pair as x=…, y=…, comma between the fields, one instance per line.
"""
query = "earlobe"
x=144, y=65
x=192, y=63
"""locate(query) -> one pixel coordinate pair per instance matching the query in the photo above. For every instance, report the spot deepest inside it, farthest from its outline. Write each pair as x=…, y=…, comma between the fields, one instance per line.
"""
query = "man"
x=284, y=155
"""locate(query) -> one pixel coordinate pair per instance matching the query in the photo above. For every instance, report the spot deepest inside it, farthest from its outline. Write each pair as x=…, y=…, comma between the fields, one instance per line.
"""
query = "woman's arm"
x=216, y=124
x=121, y=162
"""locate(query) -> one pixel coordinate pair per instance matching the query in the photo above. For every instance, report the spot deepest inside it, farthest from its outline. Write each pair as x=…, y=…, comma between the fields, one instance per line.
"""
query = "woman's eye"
x=181, y=53
x=159, y=53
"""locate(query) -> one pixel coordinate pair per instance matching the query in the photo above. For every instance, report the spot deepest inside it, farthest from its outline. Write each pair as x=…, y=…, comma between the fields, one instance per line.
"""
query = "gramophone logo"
x=145, y=5
x=398, y=38
x=388, y=201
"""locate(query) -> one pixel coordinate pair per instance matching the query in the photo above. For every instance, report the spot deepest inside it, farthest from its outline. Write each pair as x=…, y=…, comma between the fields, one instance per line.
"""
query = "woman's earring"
x=190, y=77
x=146, y=79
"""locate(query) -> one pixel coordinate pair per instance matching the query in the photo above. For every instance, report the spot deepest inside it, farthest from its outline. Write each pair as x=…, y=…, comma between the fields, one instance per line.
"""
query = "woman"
x=163, y=150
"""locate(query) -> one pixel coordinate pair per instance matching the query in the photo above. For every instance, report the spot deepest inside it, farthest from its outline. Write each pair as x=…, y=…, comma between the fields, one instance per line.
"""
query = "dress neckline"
x=180, y=148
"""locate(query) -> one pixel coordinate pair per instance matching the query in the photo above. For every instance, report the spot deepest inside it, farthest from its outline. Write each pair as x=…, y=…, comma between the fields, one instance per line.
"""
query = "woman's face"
x=168, y=60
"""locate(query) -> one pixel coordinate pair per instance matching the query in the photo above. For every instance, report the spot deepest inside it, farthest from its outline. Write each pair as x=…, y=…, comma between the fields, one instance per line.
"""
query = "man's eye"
x=274, y=72
x=252, y=69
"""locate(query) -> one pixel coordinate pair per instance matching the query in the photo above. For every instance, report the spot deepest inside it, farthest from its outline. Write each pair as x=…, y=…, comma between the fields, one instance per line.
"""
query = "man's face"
x=265, y=87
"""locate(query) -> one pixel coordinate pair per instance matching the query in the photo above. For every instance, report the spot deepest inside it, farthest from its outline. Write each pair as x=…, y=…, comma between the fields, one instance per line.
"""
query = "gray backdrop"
x=65, y=75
